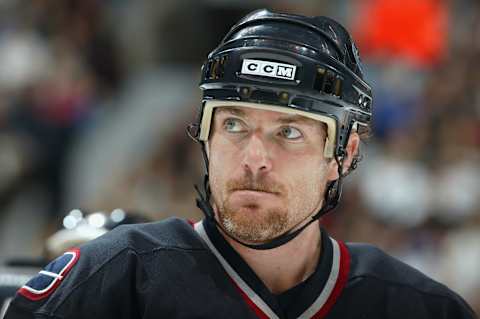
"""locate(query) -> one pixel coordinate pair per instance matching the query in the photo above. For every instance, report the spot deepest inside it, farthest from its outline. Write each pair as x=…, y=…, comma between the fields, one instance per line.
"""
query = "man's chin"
x=251, y=213
x=249, y=236
x=253, y=226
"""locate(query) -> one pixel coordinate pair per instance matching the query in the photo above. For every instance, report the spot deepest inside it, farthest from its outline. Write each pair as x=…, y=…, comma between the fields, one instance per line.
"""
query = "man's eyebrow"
x=282, y=119
x=296, y=119
x=231, y=110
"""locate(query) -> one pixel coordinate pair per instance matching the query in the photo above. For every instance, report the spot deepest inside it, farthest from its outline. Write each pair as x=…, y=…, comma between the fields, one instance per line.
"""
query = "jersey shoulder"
x=106, y=265
x=379, y=276
x=171, y=233
x=371, y=262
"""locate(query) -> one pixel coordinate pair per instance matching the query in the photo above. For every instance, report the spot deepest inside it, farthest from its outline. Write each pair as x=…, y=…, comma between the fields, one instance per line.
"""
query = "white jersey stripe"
x=329, y=285
x=234, y=275
x=50, y=274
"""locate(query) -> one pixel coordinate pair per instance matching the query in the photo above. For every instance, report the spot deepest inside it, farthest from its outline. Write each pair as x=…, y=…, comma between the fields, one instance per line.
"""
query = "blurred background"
x=95, y=96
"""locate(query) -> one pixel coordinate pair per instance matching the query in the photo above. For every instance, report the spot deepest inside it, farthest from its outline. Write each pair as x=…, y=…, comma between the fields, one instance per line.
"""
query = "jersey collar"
x=318, y=294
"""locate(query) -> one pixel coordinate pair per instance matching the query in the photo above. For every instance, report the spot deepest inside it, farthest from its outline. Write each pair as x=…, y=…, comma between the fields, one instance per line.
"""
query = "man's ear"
x=352, y=150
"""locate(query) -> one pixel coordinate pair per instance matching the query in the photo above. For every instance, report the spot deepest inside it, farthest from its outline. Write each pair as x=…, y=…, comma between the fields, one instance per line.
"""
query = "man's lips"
x=248, y=195
x=253, y=191
x=252, y=199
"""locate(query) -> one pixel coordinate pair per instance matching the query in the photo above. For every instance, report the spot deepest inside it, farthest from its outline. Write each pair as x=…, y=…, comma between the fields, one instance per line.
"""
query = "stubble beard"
x=267, y=223
x=254, y=227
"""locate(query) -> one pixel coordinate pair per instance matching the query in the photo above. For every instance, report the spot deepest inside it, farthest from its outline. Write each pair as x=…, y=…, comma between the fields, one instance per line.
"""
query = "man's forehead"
x=277, y=116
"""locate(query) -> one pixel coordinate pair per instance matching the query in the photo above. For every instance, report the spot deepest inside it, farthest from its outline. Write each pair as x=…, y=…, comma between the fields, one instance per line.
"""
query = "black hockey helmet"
x=293, y=64
x=307, y=64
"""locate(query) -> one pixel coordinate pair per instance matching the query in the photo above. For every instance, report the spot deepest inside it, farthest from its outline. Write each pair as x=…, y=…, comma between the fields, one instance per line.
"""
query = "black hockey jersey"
x=173, y=269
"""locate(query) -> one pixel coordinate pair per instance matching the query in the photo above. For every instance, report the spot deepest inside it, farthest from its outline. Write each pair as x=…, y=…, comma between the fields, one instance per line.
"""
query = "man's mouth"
x=255, y=191
x=263, y=187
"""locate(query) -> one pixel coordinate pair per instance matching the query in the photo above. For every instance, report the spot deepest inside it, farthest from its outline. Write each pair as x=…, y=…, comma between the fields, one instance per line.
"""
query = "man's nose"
x=257, y=158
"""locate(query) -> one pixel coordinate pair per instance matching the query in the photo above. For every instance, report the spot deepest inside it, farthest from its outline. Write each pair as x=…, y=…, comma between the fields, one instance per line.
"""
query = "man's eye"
x=290, y=133
x=233, y=125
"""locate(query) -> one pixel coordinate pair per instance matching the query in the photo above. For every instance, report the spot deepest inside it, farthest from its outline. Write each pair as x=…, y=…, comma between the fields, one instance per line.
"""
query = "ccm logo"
x=270, y=69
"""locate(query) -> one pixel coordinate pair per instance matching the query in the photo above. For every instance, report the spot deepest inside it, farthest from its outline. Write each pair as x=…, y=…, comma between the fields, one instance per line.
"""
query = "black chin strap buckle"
x=205, y=207
x=203, y=200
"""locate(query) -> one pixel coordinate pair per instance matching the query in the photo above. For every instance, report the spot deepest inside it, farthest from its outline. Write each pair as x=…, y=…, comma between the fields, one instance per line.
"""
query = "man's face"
x=267, y=171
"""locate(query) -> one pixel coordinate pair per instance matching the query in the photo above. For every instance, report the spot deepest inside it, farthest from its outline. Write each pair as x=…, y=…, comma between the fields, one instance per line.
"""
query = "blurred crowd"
x=95, y=97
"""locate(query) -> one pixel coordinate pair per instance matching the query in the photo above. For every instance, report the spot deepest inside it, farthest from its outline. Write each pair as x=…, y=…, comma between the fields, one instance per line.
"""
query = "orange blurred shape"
x=416, y=30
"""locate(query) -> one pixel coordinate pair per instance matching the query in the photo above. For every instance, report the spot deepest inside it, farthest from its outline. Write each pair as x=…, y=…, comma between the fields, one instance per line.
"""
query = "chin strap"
x=333, y=193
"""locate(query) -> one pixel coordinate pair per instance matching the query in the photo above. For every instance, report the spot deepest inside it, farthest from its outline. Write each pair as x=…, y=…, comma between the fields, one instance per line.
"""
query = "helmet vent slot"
x=328, y=82
x=216, y=68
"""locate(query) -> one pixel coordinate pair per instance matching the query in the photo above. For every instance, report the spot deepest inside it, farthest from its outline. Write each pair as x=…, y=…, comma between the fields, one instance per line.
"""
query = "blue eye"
x=232, y=125
x=290, y=133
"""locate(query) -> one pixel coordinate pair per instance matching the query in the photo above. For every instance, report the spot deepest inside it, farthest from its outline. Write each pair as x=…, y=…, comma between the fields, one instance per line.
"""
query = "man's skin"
x=268, y=175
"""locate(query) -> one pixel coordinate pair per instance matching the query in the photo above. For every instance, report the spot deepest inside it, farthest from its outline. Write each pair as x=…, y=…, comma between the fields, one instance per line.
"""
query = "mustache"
x=259, y=185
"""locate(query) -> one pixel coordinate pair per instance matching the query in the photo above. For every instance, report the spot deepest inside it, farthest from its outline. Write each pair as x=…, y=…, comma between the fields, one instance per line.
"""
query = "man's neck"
x=286, y=266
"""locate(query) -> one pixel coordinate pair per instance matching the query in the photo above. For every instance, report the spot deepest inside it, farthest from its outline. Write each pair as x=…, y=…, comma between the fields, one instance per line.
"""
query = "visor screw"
x=245, y=92
x=284, y=97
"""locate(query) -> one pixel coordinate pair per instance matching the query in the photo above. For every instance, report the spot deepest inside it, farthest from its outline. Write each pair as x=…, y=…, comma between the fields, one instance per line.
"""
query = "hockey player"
x=284, y=108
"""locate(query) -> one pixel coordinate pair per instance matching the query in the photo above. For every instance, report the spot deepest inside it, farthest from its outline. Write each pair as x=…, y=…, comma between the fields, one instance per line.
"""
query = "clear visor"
x=210, y=106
